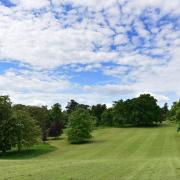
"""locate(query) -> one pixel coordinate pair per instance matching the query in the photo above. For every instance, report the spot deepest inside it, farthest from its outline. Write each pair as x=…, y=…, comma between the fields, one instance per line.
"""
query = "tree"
x=173, y=111
x=145, y=111
x=56, y=129
x=26, y=131
x=84, y=106
x=107, y=117
x=65, y=116
x=140, y=111
x=164, y=111
x=6, y=124
x=80, y=126
x=97, y=111
x=71, y=106
x=41, y=115
x=56, y=116
x=120, y=113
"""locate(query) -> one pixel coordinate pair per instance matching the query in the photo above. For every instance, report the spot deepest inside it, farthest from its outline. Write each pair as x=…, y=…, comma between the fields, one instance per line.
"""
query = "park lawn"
x=114, y=154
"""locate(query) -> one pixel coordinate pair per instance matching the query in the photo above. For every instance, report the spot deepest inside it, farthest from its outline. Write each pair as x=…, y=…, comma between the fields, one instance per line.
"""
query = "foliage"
x=120, y=113
x=57, y=124
x=6, y=124
x=97, y=111
x=146, y=112
x=17, y=128
x=56, y=113
x=65, y=116
x=140, y=111
x=71, y=106
x=173, y=113
x=107, y=117
x=26, y=132
x=165, y=112
x=40, y=114
x=80, y=126
x=56, y=129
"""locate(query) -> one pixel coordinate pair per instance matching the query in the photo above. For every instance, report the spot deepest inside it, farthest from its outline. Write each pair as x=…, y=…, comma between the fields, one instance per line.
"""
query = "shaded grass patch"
x=28, y=153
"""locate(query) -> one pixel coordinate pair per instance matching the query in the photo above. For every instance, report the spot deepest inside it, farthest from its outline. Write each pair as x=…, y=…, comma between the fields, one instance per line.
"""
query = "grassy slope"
x=129, y=153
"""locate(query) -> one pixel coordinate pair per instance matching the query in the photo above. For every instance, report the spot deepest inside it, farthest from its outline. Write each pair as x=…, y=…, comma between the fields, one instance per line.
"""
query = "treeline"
x=22, y=126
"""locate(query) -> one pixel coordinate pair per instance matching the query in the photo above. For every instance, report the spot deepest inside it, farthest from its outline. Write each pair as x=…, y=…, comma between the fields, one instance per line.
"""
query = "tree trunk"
x=3, y=151
x=19, y=147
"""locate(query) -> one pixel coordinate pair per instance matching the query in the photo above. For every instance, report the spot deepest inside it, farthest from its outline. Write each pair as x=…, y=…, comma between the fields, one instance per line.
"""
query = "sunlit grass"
x=114, y=153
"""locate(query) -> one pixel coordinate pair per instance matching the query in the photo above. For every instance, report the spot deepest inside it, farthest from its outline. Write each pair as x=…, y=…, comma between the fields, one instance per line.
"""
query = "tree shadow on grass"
x=56, y=138
x=29, y=153
x=90, y=142
x=98, y=141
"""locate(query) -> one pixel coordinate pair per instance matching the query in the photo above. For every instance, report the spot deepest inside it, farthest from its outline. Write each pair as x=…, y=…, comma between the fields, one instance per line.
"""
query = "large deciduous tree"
x=145, y=111
x=26, y=131
x=40, y=114
x=140, y=111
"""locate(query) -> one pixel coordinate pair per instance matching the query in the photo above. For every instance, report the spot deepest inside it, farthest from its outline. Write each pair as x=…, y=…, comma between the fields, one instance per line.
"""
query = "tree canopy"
x=56, y=117
x=80, y=126
x=140, y=111
x=97, y=111
x=17, y=127
x=26, y=131
x=7, y=124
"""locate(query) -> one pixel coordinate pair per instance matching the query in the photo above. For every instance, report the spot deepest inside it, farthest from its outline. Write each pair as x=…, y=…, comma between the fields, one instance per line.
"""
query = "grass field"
x=124, y=153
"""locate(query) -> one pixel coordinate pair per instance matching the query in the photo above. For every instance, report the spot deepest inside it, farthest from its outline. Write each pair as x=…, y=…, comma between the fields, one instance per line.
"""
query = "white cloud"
x=50, y=39
x=110, y=89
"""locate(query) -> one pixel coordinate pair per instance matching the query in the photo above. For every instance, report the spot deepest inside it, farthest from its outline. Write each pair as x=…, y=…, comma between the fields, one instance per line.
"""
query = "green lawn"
x=115, y=153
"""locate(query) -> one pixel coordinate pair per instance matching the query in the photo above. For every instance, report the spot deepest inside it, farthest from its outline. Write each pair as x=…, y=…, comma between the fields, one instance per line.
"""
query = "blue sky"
x=92, y=51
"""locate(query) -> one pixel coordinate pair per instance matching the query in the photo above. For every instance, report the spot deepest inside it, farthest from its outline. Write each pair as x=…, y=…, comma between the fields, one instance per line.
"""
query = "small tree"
x=80, y=126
